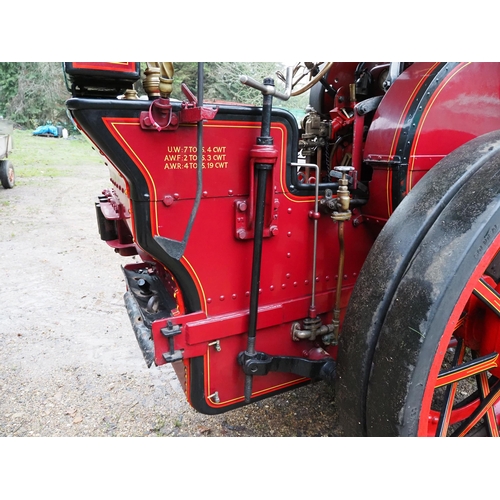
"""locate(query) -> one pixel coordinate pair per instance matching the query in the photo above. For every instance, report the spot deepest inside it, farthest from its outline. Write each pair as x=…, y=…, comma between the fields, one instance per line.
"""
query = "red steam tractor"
x=359, y=247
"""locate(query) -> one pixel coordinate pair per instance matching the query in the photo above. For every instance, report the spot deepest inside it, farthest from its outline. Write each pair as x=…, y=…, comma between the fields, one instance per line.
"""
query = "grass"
x=35, y=156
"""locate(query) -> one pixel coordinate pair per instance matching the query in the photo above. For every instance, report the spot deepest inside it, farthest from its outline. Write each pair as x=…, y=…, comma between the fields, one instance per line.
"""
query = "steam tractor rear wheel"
x=430, y=364
x=7, y=176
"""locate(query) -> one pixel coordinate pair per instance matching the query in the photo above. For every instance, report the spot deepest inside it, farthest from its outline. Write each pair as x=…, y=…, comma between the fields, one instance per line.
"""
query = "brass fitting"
x=131, y=94
x=151, y=82
x=343, y=197
x=159, y=78
x=166, y=79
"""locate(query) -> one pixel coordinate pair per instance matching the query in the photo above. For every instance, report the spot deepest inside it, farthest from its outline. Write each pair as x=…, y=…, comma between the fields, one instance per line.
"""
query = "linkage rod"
x=263, y=170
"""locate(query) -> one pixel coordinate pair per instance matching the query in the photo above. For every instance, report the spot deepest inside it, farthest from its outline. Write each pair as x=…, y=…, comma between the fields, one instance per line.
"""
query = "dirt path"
x=69, y=362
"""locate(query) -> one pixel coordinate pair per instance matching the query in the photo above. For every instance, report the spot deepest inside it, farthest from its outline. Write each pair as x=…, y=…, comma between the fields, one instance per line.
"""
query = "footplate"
x=142, y=332
x=146, y=301
x=150, y=293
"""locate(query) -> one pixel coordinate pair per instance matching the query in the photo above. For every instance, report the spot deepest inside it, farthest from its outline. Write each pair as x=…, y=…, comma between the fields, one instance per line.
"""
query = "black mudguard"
x=385, y=267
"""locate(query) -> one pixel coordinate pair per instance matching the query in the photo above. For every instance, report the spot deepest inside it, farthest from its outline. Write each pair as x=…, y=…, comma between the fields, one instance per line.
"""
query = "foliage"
x=222, y=82
x=32, y=94
x=8, y=84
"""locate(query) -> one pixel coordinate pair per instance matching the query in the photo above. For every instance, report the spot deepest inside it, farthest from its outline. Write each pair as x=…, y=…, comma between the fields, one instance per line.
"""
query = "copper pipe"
x=336, y=311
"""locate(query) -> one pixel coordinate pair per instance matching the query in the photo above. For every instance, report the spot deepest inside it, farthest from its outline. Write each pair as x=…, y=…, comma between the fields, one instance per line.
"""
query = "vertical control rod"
x=199, y=149
x=263, y=169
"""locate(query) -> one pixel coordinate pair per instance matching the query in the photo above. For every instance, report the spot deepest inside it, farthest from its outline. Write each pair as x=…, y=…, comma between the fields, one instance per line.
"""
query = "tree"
x=222, y=82
x=33, y=93
x=227, y=85
x=8, y=85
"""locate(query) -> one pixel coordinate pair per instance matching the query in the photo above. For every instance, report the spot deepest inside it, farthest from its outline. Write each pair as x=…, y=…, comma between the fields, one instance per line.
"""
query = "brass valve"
x=343, y=196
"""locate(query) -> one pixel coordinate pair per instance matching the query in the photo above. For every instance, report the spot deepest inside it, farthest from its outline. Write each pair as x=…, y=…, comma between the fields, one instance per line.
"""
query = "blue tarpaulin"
x=46, y=130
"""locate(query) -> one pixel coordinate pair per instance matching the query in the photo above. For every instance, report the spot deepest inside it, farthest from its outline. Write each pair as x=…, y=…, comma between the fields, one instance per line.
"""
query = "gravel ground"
x=69, y=362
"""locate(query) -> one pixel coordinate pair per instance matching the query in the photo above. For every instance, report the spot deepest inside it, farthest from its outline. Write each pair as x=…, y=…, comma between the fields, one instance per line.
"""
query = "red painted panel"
x=464, y=106
x=121, y=67
x=429, y=111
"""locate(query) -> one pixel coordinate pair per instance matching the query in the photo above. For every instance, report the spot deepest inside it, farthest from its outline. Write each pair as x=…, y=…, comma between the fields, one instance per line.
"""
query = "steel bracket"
x=261, y=364
x=161, y=116
x=170, y=332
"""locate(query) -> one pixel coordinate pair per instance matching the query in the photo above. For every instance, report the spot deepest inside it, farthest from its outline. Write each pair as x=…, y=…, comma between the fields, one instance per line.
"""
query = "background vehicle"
x=7, y=174
x=359, y=248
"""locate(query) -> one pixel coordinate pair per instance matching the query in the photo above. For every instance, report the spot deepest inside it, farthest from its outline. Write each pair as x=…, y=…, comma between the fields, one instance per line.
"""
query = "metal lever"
x=271, y=89
x=263, y=168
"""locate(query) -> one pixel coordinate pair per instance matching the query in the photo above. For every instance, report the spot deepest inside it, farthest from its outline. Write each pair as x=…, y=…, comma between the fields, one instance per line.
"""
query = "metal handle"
x=271, y=89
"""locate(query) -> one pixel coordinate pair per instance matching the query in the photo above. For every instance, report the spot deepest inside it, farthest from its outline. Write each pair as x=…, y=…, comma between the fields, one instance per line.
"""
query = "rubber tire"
x=7, y=174
x=404, y=237
x=442, y=274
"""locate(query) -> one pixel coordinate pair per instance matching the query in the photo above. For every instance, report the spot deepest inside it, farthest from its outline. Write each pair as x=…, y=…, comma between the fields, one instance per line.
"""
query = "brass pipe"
x=343, y=214
x=336, y=311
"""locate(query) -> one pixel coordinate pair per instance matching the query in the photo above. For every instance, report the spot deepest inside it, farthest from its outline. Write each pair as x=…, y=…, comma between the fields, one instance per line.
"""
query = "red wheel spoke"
x=468, y=369
x=451, y=390
x=484, y=389
x=480, y=411
x=488, y=295
x=460, y=322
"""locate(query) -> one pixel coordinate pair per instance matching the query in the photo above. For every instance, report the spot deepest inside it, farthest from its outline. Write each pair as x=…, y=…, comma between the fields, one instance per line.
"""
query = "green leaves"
x=32, y=93
x=222, y=80
x=9, y=72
